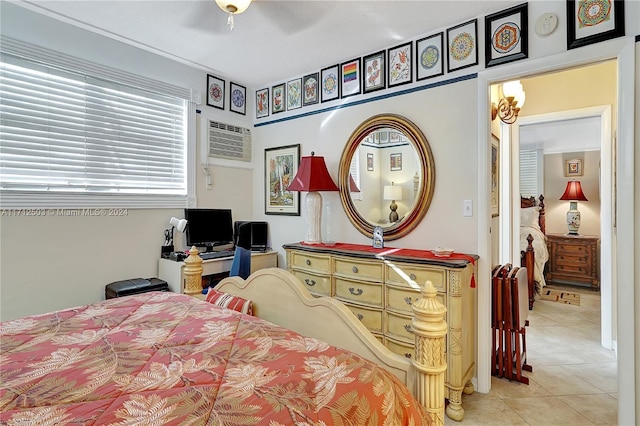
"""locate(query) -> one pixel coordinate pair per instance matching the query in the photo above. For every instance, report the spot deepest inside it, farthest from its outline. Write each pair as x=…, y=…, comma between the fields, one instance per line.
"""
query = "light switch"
x=467, y=208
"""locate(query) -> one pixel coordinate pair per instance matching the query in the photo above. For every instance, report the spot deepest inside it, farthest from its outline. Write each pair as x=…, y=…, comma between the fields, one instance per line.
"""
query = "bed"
x=533, y=243
x=166, y=358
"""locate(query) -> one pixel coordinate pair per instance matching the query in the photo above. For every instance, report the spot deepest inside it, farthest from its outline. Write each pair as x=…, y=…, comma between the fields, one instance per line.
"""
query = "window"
x=74, y=139
x=531, y=172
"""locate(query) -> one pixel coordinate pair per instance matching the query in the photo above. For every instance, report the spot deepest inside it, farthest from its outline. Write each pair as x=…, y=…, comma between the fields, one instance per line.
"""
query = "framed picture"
x=350, y=81
x=495, y=175
x=573, y=168
x=262, y=103
x=506, y=36
x=369, y=162
x=593, y=21
x=294, y=94
x=374, y=72
x=462, y=46
x=281, y=166
x=395, y=161
x=238, y=99
x=310, y=87
x=429, y=57
x=399, y=64
x=215, y=92
x=329, y=87
x=277, y=98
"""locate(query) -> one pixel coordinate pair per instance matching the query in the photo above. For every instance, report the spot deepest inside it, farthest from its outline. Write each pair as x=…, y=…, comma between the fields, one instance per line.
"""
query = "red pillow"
x=230, y=301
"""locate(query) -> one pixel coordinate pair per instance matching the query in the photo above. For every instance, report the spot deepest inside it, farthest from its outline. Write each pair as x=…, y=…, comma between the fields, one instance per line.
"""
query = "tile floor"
x=574, y=379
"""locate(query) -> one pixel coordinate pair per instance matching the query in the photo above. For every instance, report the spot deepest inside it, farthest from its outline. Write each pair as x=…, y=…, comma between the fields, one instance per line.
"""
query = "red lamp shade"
x=573, y=192
x=352, y=185
x=312, y=176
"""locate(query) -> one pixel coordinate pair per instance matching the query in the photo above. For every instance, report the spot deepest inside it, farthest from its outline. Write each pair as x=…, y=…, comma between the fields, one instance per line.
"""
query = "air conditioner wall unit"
x=228, y=142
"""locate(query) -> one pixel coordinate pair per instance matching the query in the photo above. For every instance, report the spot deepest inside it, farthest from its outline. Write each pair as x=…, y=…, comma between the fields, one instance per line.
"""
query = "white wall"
x=56, y=262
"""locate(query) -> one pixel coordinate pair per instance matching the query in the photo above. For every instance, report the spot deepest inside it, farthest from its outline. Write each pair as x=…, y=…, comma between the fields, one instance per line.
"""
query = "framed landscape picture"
x=350, y=72
x=215, y=92
x=281, y=166
x=429, y=59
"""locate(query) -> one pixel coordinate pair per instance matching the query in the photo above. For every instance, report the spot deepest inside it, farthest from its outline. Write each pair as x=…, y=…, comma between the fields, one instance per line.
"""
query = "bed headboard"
x=526, y=202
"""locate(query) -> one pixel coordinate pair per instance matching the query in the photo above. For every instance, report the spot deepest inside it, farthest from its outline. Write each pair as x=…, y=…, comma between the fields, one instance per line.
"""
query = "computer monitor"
x=250, y=235
x=208, y=227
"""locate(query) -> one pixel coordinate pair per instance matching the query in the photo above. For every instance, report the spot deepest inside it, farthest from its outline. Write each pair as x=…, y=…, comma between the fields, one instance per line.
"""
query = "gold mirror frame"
x=424, y=194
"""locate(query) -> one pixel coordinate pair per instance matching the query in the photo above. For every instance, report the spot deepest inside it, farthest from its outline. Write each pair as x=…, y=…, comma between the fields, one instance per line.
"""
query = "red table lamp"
x=313, y=177
x=573, y=193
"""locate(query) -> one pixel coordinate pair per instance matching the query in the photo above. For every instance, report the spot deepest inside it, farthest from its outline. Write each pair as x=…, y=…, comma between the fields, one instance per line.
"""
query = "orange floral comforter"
x=165, y=358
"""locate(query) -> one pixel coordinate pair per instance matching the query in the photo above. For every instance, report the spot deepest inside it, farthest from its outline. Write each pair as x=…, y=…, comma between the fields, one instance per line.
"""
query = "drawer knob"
x=308, y=262
x=413, y=277
x=355, y=269
x=360, y=316
x=355, y=292
x=309, y=282
x=408, y=328
x=408, y=301
x=407, y=355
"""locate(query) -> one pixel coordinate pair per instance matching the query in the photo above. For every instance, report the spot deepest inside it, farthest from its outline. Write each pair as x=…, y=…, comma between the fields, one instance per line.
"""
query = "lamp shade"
x=179, y=224
x=312, y=176
x=573, y=192
x=352, y=185
x=392, y=192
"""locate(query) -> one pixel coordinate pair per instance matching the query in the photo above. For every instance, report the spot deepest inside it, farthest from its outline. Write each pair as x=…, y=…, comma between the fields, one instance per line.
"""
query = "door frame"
x=623, y=50
x=603, y=113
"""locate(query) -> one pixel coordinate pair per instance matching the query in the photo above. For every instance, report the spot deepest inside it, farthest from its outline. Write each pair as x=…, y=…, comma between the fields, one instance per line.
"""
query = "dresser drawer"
x=400, y=298
x=398, y=326
x=370, y=318
x=315, y=262
x=358, y=269
x=572, y=249
x=400, y=348
x=399, y=273
x=316, y=284
x=360, y=292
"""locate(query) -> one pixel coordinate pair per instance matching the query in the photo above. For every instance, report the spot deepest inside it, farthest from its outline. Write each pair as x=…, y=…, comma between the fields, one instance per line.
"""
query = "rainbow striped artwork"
x=350, y=77
x=350, y=72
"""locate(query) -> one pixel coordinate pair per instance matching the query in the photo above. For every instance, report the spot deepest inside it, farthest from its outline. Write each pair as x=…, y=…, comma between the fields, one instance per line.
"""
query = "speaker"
x=250, y=235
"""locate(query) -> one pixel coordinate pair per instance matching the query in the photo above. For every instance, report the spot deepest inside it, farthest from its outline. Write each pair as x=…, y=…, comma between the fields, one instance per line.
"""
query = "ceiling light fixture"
x=509, y=107
x=233, y=7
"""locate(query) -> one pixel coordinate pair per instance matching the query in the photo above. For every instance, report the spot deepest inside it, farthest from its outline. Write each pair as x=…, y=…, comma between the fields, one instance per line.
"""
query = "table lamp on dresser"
x=573, y=193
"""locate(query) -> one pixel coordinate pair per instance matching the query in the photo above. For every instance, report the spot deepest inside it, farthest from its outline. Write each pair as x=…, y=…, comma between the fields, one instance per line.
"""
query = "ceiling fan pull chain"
x=230, y=21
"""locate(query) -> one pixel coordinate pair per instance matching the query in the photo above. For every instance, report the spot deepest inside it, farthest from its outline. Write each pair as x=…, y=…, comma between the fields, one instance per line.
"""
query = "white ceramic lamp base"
x=313, y=202
x=573, y=218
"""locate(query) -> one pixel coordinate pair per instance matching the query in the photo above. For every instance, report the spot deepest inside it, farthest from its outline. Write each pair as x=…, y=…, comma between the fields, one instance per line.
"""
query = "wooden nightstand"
x=573, y=259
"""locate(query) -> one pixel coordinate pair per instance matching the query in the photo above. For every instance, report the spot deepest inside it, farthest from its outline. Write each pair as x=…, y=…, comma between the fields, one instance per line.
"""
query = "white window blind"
x=65, y=132
x=531, y=172
x=354, y=170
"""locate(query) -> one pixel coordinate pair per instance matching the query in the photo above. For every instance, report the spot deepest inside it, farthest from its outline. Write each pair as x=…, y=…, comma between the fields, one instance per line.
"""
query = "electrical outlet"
x=467, y=208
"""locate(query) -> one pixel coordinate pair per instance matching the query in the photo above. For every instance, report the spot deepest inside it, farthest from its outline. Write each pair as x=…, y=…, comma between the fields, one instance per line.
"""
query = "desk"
x=172, y=271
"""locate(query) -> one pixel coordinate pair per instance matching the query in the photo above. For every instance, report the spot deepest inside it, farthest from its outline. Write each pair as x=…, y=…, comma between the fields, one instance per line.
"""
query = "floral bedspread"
x=164, y=358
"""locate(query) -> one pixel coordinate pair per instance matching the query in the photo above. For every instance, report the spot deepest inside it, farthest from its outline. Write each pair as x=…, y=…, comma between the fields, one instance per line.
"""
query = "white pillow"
x=529, y=217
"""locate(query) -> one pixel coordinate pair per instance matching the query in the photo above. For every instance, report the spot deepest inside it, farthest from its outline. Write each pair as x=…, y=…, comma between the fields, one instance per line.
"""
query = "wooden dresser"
x=379, y=286
x=573, y=259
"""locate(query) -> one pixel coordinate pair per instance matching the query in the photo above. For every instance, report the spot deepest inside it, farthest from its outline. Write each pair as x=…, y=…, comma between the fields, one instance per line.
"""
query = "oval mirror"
x=387, y=176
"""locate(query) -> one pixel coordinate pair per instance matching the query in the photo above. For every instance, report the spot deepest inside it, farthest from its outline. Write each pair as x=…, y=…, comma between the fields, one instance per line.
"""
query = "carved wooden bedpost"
x=430, y=329
x=193, y=274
